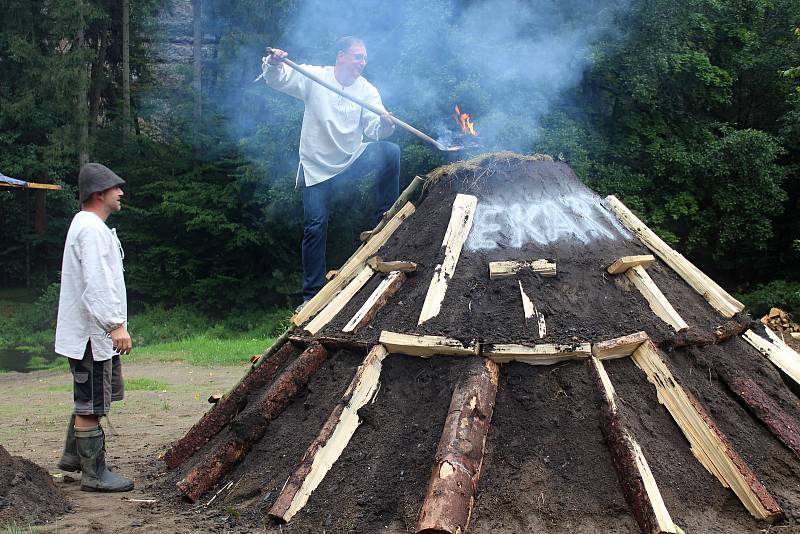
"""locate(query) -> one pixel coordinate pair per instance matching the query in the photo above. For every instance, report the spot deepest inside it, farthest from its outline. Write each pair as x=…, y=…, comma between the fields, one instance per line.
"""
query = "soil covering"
x=547, y=467
x=27, y=492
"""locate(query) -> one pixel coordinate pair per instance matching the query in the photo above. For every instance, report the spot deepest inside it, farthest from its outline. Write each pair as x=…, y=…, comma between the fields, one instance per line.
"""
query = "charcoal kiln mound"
x=28, y=495
x=506, y=352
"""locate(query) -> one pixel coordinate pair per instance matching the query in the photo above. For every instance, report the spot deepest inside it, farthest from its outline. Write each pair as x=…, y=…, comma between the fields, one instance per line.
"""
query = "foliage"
x=778, y=293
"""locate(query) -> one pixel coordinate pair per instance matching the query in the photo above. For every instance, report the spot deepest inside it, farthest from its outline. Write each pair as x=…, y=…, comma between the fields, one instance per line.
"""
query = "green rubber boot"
x=70, y=461
x=95, y=475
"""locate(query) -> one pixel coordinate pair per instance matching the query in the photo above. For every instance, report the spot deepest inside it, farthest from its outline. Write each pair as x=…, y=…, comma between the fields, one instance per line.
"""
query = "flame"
x=465, y=121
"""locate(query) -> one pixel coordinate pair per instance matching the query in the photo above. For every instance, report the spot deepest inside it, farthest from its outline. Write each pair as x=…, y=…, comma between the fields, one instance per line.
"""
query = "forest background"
x=688, y=110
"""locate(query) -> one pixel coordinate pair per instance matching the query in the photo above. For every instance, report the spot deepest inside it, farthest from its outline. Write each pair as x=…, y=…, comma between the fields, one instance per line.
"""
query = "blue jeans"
x=381, y=157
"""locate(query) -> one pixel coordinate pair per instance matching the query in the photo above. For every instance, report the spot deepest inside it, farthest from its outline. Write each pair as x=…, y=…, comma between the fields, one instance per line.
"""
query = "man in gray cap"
x=92, y=325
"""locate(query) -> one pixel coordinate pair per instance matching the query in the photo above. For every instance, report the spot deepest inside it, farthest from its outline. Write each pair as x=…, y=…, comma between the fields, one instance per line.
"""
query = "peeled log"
x=250, y=426
x=457, y=467
x=226, y=409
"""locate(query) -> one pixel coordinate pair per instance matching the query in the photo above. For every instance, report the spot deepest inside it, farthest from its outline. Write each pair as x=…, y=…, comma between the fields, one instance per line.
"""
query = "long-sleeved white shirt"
x=92, y=301
x=332, y=136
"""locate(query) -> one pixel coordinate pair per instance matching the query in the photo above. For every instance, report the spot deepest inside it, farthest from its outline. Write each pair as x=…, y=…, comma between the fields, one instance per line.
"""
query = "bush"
x=779, y=293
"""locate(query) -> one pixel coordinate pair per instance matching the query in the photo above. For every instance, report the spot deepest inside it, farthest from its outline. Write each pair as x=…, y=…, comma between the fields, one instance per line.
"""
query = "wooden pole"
x=377, y=300
x=457, y=466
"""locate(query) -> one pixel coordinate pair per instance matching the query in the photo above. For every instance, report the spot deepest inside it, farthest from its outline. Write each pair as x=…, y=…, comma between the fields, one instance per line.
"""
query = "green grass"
x=13, y=528
x=145, y=384
x=202, y=350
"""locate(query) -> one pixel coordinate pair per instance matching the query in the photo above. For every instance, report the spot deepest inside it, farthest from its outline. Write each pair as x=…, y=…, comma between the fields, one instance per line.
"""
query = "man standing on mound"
x=92, y=325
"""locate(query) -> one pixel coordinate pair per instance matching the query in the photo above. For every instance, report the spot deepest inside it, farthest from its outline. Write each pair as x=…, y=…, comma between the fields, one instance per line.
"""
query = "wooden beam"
x=457, y=231
x=377, y=300
x=456, y=471
x=353, y=266
x=32, y=185
x=380, y=266
x=543, y=354
x=401, y=201
x=250, y=425
x=339, y=301
x=332, y=438
x=506, y=269
x=783, y=357
x=531, y=311
x=655, y=298
x=708, y=444
x=719, y=299
x=626, y=262
x=426, y=346
x=618, y=347
x=329, y=342
x=637, y=481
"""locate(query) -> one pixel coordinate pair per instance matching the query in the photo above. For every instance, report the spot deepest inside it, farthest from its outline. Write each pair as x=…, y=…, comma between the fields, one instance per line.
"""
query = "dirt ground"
x=547, y=467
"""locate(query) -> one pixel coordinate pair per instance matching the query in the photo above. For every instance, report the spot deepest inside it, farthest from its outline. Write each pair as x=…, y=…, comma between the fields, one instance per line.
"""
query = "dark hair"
x=343, y=44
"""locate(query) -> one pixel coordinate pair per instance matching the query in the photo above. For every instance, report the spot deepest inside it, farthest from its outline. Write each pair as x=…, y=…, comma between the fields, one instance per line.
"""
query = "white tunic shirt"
x=92, y=300
x=332, y=137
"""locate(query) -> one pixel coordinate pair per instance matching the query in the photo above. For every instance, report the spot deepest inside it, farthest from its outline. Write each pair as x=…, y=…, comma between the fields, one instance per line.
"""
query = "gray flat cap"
x=94, y=178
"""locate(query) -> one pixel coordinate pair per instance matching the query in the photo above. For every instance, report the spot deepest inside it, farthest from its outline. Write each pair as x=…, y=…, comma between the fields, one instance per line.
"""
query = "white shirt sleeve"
x=373, y=128
x=287, y=80
x=101, y=296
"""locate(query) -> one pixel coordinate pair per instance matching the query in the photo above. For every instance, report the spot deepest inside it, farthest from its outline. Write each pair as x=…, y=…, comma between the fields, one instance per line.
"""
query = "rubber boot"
x=95, y=475
x=70, y=461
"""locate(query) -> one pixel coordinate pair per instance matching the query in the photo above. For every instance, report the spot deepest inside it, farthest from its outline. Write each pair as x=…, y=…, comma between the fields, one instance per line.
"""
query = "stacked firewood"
x=780, y=321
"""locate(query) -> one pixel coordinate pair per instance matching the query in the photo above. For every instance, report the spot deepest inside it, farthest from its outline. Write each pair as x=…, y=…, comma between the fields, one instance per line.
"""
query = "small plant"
x=145, y=384
x=165, y=406
x=13, y=528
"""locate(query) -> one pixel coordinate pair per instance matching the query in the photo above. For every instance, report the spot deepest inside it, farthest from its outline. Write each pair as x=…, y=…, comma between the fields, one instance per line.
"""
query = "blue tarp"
x=12, y=181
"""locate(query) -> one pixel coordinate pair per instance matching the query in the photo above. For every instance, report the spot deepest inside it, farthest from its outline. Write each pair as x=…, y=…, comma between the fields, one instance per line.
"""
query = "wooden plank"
x=531, y=311
x=708, y=444
x=332, y=439
x=637, y=481
x=618, y=347
x=542, y=354
x=339, y=301
x=32, y=185
x=453, y=485
x=506, y=269
x=353, y=266
x=783, y=357
x=626, y=262
x=655, y=298
x=719, y=299
x=380, y=266
x=377, y=300
x=457, y=231
x=426, y=346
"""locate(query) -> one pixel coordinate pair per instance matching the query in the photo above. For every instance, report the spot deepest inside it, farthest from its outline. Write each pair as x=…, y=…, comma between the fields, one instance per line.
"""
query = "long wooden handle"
x=407, y=127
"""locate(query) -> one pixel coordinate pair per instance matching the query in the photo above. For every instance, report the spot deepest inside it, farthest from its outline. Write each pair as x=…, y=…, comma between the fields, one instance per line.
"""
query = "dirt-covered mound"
x=27, y=492
x=547, y=467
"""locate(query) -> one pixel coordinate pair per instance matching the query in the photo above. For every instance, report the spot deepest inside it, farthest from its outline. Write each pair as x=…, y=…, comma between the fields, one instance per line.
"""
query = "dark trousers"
x=381, y=157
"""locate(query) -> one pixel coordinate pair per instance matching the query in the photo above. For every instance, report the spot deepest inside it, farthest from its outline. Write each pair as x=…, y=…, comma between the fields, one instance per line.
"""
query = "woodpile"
x=781, y=322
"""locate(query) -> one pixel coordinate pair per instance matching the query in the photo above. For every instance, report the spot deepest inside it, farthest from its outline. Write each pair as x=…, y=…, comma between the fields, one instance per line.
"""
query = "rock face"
x=548, y=465
x=27, y=492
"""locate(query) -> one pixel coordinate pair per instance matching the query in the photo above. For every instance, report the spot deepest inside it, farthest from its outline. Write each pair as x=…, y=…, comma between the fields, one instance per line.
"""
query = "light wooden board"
x=619, y=347
x=717, y=297
x=353, y=266
x=626, y=262
x=339, y=301
x=542, y=354
x=506, y=269
x=655, y=298
x=426, y=346
x=530, y=311
x=708, y=444
x=457, y=231
x=388, y=287
x=780, y=354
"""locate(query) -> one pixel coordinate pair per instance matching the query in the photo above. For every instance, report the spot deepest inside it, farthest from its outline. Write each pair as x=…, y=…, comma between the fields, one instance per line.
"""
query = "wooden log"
x=329, y=342
x=426, y=346
x=783, y=357
x=377, y=300
x=618, y=347
x=353, y=266
x=531, y=311
x=339, y=301
x=332, y=439
x=506, y=269
x=719, y=299
x=457, y=231
x=250, y=426
x=626, y=262
x=406, y=196
x=708, y=444
x=637, y=481
x=457, y=466
x=543, y=354
x=386, y=267
x=782, y=425
x=655, y=298
x=702, y=338
x=226, y=409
